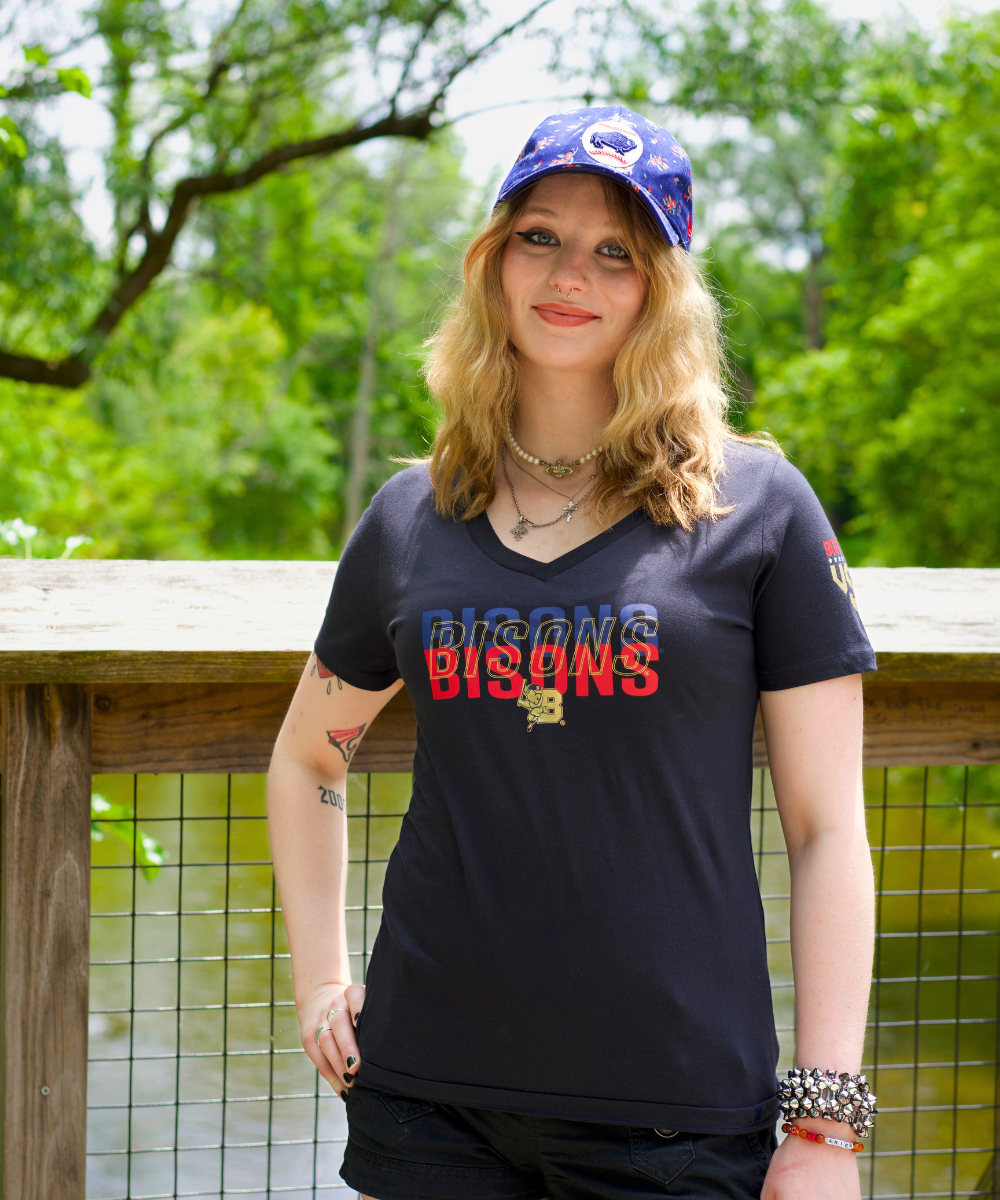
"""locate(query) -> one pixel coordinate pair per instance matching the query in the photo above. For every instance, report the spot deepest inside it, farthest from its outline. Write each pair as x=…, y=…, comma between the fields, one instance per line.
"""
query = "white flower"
x=74, y=543
x=23, y=530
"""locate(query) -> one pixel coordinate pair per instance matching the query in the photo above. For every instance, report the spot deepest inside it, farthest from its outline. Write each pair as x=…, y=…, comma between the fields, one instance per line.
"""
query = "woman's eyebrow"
x=609, y=231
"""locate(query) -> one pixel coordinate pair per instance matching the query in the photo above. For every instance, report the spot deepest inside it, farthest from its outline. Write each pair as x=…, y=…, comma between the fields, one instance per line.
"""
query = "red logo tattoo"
x=346, y=740
x=326, y=673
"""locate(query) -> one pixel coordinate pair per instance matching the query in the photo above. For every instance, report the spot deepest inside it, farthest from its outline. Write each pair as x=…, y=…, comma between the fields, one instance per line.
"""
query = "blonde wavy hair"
x=664, y=444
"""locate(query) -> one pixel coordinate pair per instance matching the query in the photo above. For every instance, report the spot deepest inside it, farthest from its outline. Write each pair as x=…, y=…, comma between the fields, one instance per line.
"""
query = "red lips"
x=565, y=315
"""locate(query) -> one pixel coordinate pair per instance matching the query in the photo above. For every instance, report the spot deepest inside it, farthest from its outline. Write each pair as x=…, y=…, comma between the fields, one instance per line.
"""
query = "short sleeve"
x=807, y=627
x=353, y=641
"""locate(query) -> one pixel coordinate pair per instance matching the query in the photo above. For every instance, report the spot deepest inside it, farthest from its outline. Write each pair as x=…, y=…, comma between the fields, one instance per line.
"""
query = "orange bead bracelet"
x=809, y=1135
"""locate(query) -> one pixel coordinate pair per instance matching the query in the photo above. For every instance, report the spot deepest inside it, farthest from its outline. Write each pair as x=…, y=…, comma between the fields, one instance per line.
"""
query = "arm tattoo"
x=335, y=798
x=326, y=673
x=346, y=740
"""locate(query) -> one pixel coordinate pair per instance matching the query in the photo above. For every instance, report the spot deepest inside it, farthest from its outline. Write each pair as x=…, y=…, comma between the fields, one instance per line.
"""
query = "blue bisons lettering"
x=532, y=661
x=838, y=569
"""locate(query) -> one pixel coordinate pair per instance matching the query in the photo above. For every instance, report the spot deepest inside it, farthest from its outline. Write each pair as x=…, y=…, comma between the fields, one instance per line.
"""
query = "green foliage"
x=219, y=421
x=50, y=275
x=206, y=102
x=32, y=82
x=119, y=821
x=898, y=421
x=774, y=78
x=256, y=396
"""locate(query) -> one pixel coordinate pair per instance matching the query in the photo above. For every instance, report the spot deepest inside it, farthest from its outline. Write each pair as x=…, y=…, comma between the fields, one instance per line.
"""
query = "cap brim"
x=672, y=235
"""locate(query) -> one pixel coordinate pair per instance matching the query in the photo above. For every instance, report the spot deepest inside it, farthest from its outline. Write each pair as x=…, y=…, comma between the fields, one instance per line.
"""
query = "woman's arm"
x=307, y=821
x=814, y=749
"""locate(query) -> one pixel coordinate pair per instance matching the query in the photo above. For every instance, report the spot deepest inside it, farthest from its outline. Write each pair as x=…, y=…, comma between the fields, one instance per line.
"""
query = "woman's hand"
x=337, y=1054
x=802, y=1168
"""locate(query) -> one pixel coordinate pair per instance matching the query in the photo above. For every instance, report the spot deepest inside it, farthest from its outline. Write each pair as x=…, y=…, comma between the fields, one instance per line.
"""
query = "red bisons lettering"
x=541, y=653
x=472, y=653
x=636, y=657
x=549, y=660
x=442, y=669
x=346, y=740
x=502, y=663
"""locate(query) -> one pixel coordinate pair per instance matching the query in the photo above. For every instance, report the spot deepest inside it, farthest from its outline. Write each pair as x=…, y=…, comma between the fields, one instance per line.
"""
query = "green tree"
x=897, y=421
x=37, y=79
x=220, y=423
x=774, y=78
x=207, y=105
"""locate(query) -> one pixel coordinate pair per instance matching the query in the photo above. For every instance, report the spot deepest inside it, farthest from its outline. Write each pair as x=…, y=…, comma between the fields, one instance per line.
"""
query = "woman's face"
x=564, y=242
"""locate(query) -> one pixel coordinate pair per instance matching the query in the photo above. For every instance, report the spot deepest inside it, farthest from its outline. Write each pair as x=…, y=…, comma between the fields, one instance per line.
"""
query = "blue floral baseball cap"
x=620, y=144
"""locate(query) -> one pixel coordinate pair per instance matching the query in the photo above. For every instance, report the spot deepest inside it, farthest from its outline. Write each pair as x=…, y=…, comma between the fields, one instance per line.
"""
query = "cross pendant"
x=569, y=510
x=520, y=529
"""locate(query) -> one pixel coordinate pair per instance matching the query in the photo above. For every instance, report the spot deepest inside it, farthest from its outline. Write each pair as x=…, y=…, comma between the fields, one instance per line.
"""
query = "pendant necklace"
x=525, y=524
x=558, y=468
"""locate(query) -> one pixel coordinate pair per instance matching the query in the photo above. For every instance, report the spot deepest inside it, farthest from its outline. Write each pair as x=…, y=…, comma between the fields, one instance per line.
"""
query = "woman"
x=585, y=591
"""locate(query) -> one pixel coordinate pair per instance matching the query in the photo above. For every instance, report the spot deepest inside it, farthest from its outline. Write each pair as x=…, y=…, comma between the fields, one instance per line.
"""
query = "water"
x=203, y=967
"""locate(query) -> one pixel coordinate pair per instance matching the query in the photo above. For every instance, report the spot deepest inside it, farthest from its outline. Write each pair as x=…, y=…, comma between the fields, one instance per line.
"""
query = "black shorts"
x=400, y=1148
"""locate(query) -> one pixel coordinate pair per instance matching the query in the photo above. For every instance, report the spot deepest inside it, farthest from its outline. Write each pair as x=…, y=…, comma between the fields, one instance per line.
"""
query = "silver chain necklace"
x=525, y=471
x=525, y=524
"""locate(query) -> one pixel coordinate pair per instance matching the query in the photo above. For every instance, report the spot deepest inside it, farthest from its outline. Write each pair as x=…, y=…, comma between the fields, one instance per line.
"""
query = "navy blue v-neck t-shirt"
x=572, y=925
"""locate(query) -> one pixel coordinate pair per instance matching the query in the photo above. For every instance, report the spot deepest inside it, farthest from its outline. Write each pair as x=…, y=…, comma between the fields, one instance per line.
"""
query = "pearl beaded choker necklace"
x=558, y=468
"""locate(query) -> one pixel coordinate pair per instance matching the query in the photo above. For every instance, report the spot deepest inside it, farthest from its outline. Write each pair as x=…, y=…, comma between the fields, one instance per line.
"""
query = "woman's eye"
x=617, y=253
x=538, y=237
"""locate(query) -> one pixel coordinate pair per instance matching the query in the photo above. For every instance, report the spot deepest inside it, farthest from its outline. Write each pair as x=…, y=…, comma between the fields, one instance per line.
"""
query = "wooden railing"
x=189, y=667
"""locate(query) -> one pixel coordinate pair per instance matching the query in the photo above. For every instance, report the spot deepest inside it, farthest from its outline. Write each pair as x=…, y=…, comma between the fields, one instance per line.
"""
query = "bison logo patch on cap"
x=612, y=143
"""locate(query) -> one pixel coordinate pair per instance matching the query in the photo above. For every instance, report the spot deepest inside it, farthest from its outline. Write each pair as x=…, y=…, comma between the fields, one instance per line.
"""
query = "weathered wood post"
x=44, y=940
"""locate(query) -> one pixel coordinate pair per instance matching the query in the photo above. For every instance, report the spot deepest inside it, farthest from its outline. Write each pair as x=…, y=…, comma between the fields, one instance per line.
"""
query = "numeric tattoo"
x=346, y=740
x=335, y=798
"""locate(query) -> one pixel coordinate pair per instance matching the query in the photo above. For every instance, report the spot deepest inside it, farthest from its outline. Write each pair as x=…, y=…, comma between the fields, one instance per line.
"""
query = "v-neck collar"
x=484, y=535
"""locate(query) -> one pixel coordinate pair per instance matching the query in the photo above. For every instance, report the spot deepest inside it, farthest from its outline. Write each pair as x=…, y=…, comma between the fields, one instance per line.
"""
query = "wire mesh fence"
x=198, y=1086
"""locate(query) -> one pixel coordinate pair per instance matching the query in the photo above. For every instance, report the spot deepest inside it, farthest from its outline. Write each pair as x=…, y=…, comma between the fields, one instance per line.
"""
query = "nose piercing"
x=569, y=294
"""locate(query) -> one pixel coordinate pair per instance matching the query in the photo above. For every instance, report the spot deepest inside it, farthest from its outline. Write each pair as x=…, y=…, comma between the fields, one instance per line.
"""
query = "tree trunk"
x=379, y=305
x=812, y=298
x=361, y=424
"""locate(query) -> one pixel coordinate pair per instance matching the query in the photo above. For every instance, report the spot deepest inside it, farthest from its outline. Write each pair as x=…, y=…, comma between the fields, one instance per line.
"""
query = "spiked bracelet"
x=816, y=1093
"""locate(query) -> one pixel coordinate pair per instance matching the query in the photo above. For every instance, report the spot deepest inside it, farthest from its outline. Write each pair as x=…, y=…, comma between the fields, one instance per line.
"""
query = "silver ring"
x=320, y=1031
x=331, y=1013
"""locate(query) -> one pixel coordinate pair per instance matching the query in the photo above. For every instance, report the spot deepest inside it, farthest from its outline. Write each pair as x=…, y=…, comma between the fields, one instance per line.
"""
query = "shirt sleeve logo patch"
x=838, y=569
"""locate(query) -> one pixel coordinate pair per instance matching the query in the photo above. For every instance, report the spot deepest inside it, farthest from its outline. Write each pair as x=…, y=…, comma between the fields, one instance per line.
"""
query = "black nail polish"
x=351, y=1062
x=348, y=1078
x=343, y=1095
x=356, y=1016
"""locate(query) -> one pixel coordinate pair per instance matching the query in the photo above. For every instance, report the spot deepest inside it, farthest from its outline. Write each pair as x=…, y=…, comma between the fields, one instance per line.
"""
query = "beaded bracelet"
x=816, y=1093
x=795, y=1131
